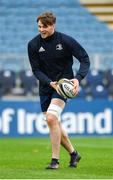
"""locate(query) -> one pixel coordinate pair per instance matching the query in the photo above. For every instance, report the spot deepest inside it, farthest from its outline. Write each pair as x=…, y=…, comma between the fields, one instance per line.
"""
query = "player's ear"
x=54, y=26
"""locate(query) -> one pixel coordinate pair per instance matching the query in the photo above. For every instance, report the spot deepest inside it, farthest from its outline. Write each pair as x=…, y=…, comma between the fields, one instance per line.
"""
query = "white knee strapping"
x=56, y=110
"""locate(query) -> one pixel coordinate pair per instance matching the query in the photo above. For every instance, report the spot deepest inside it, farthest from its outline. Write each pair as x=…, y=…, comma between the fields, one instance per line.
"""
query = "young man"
x=51, y=58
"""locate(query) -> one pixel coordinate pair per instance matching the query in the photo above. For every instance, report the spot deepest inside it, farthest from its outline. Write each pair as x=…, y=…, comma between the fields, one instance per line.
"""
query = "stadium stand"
x=102, y=9
x=18, y=26
x=97, y=84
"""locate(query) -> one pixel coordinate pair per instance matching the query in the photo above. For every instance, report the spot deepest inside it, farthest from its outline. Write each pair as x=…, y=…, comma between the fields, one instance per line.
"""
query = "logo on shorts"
x=59, y=47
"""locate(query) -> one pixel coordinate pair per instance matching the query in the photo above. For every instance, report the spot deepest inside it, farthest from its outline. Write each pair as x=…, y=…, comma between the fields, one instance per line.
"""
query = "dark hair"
x=47, y=18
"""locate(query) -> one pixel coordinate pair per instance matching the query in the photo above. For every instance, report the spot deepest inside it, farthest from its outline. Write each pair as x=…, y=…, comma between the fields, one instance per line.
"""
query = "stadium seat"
x=110, y=91
x=28, y=82
x=99, y=92
x=95, y=77
x=7, y=81
x=108, y=76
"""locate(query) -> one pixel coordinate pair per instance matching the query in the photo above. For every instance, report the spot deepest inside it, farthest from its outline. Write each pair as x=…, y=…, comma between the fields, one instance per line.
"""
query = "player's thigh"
x=58, y=102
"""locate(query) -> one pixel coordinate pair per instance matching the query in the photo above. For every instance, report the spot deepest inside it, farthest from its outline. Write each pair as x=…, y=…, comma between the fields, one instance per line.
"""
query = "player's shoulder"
x=66, y=36
x=33, y=41
x=67, y=39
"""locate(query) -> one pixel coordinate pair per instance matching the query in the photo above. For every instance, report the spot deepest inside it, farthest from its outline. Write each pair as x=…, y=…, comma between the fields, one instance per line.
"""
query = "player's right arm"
x=34, y=61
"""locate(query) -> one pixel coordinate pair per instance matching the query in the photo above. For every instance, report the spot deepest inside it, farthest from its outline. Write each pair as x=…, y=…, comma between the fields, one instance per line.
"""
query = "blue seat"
x=7, y=81
x=99, y=92
x=28, y=82
x=95, y=77
x=108, y=75
x=110, y=90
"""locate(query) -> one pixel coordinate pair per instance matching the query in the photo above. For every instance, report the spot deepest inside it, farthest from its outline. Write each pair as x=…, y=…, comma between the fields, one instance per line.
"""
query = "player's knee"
x=54, y=112
x=51, y=119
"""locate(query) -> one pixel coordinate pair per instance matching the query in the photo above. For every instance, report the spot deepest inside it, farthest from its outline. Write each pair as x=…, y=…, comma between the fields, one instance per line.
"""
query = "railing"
x=101, y=61
x=14, y=61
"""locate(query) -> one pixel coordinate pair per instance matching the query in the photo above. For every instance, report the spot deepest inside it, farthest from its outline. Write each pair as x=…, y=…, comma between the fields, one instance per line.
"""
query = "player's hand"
x=76, y=86
x=54, y=84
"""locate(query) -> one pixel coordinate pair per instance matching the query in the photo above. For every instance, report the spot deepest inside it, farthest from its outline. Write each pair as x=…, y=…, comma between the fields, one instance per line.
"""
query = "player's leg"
x=55, y=134
x=66, y=143
x=52, y=115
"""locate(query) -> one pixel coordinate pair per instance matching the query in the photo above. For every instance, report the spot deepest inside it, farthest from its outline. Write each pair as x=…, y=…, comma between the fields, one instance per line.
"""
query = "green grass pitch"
x=26, y=158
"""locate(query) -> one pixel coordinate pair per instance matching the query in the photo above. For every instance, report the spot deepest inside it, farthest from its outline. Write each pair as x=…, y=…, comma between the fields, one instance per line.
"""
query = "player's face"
x=45, y=31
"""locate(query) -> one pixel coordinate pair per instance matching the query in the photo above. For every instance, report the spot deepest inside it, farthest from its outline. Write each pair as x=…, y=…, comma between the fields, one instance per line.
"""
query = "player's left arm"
x=81, y=55
x=79, y=52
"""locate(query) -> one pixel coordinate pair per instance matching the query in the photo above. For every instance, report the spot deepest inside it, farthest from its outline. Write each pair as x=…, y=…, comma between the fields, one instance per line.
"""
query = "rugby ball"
x=65, y=88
